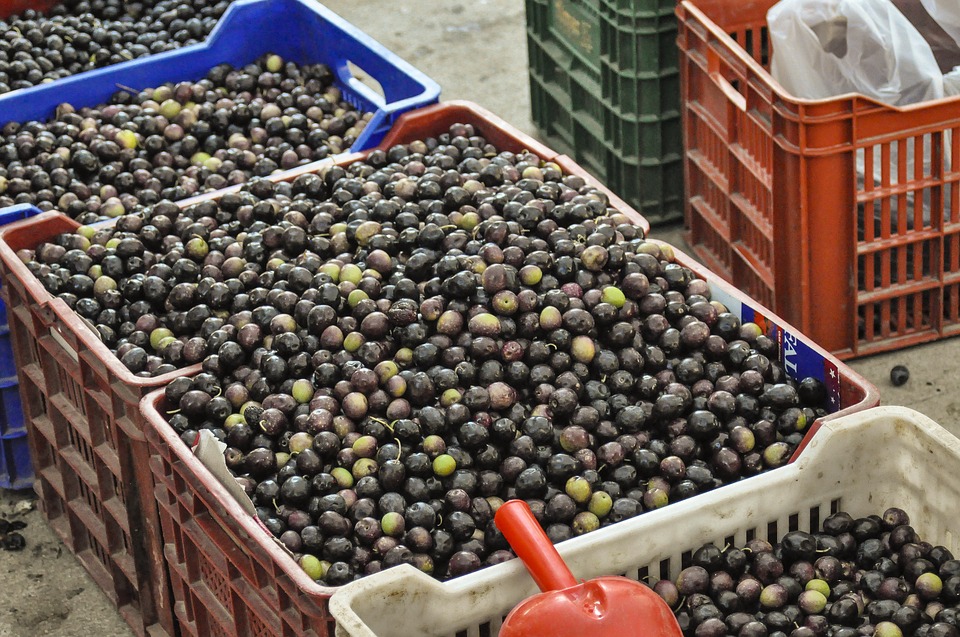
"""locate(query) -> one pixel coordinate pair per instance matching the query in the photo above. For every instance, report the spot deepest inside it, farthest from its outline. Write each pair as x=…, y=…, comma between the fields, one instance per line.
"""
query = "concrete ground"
x=476, y=50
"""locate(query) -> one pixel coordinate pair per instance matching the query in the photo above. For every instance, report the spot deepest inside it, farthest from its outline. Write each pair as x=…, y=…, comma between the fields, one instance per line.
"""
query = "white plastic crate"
x=862, y=464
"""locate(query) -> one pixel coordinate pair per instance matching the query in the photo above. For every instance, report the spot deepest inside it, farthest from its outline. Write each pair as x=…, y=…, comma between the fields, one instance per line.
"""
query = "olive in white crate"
x=869, y=576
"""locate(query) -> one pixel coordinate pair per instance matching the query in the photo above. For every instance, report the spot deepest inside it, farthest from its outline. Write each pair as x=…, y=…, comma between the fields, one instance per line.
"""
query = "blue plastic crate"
x=301, y=31
x=15, y=469
x=7, y=367
x=16, y=472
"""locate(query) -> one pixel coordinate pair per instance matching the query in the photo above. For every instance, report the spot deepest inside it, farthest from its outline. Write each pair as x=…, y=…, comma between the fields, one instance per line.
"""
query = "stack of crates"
x=605, y=89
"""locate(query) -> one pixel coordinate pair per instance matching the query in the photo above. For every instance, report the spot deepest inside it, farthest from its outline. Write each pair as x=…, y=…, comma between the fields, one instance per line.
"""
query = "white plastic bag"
x=825, y=48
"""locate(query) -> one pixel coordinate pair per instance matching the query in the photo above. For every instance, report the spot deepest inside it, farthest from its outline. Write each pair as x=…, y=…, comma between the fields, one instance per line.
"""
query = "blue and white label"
x=799, y=359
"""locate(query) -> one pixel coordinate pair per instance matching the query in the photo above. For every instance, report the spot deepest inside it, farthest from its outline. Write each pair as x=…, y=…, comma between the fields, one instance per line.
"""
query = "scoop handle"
x=528, y=540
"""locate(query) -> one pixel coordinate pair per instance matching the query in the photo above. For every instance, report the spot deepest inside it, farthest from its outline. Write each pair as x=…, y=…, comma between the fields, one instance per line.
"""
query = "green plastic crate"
x=605, y=89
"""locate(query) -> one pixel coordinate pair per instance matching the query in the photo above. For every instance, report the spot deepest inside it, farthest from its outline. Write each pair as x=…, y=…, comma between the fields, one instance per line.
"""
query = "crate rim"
x=19, y=6
x=396, y=134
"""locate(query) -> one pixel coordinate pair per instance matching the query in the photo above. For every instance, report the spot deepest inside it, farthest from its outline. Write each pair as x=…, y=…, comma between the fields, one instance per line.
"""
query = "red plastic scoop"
x=604, y=606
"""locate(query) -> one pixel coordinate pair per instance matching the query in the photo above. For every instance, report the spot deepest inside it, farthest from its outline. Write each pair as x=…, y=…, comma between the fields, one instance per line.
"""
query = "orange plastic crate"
x=774, y=203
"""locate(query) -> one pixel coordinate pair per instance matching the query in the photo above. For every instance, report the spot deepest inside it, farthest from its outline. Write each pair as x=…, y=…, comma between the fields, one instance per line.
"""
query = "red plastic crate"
x=231, y=578
x=228, y=576
x=84, y=429
x=774, y=203
x=16, y=7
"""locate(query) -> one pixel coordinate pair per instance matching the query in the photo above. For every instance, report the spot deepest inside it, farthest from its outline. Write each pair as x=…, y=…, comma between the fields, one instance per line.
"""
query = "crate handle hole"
x=72, y=353
x=732, y=92
x=365, y=78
